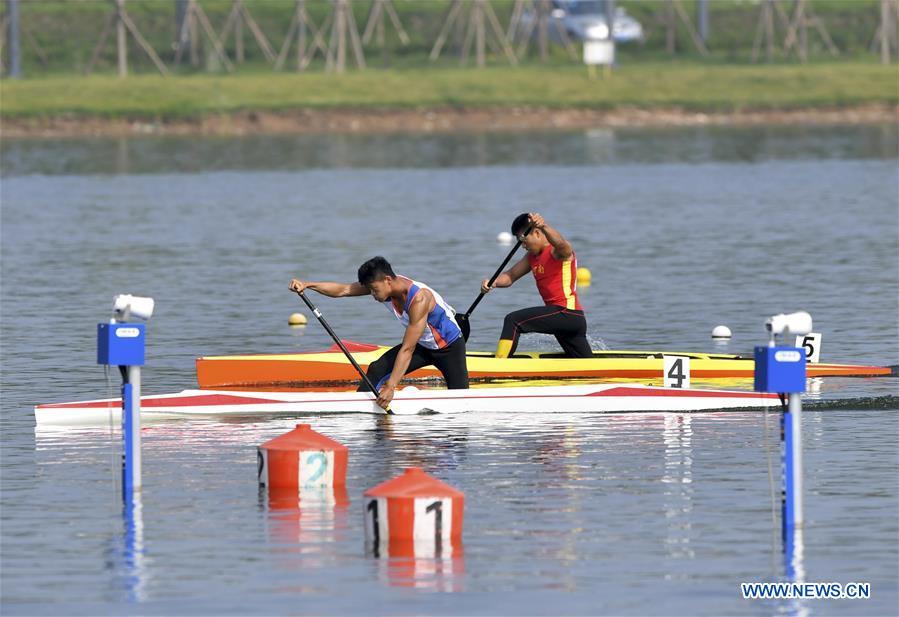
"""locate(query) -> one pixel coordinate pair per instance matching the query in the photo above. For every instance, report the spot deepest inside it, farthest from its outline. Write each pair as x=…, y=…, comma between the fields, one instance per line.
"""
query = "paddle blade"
x=462, y=320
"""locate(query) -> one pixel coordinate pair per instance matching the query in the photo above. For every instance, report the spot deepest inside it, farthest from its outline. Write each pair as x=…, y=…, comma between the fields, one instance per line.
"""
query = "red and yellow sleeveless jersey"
x=556, y=279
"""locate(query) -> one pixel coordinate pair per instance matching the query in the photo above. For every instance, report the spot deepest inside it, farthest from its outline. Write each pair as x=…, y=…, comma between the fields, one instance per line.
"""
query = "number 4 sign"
x=676, y=372
x=812, y=344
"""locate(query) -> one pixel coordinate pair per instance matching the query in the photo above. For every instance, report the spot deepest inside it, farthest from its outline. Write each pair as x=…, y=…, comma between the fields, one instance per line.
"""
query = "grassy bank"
x=693, y=87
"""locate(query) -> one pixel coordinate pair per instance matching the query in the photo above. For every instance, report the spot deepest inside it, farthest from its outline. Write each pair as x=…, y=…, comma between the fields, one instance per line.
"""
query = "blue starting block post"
x=781, y=369
x=122, y=344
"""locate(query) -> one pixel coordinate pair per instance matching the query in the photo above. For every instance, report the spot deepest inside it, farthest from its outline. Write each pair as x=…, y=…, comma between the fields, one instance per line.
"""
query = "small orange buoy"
x=413, y=507
x=301, y=459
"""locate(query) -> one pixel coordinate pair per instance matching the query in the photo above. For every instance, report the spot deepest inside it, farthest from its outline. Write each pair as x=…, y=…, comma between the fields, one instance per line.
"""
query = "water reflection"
x=128, y=561
x=304, y=525
x=423, y=563
x=418, y=443
x=122, y=156
x=794, y=569
x=677, y=435
x=559, y=449
x=599, y=146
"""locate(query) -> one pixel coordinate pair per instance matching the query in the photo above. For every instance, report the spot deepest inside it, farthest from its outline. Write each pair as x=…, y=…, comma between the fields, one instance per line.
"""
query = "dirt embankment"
x=310, y=121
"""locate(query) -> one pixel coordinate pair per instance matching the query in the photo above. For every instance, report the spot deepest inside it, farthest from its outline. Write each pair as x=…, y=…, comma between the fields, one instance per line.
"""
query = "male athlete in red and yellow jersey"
x=554, y=265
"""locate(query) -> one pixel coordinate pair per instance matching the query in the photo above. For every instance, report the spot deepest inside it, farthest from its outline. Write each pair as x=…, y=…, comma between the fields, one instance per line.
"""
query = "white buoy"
x=504, y=237
x=721, y=333
x=297, y=319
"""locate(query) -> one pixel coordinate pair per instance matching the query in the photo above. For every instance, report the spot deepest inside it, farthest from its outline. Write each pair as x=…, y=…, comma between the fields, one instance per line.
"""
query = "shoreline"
x=432, y=120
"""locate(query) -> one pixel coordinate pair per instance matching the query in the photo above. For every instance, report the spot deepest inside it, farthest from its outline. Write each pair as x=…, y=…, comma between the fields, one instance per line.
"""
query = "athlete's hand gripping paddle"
x=321, y=319
x=462, y=319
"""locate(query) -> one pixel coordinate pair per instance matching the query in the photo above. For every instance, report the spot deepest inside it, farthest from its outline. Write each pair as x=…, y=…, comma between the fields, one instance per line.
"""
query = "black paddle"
x=340, y=344
x=462, y=320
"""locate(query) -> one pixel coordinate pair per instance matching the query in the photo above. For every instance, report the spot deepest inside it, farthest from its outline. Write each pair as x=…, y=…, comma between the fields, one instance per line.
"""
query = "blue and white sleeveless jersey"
x=442, y=329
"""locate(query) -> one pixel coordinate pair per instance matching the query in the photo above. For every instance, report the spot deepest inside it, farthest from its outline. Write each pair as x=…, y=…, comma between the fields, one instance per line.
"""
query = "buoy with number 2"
x=302, y=459
x=413, y=508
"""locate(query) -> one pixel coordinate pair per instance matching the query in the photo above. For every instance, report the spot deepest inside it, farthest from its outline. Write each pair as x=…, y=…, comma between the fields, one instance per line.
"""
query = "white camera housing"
x=125, y=307
x=799, y=323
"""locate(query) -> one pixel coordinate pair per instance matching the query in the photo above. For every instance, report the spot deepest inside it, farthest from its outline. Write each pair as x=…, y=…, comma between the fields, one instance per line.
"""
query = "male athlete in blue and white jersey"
x=432, y=335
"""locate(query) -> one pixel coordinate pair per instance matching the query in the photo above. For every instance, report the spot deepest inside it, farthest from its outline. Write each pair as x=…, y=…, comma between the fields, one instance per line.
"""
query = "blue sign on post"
x=782, y=370
x=779, y=369
x=120, y=344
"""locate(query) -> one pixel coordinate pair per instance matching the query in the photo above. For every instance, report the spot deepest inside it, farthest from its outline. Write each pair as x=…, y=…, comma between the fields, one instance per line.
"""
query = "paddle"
x=462, y=320
x=340, y=344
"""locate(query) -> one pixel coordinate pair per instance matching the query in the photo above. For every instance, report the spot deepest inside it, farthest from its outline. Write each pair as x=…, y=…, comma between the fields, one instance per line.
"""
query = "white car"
x=584, y=20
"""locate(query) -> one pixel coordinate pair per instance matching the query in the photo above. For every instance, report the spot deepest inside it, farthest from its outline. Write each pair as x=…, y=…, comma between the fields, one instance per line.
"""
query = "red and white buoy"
x=413, y=514
x=302, y=459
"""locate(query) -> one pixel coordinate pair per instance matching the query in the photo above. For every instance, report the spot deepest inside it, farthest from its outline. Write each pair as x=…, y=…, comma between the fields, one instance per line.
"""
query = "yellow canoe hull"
x=332, y=366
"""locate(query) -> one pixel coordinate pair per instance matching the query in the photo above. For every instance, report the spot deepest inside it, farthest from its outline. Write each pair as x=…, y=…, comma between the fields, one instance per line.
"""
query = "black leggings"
x=567, y=325
x=450, y=361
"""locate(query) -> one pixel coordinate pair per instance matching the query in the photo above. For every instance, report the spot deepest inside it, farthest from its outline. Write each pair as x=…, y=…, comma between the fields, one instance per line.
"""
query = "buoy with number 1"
x=302, y=459
x=413, y=509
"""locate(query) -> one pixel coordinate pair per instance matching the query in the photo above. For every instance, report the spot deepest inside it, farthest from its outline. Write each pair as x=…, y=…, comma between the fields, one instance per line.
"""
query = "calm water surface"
x=565, y=514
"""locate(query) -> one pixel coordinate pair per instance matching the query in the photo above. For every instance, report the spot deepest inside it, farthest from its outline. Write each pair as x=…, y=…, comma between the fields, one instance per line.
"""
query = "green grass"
x=690, y=86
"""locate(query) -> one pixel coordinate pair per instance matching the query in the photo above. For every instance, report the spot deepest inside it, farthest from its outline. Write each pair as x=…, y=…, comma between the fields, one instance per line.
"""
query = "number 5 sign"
x=812, y=344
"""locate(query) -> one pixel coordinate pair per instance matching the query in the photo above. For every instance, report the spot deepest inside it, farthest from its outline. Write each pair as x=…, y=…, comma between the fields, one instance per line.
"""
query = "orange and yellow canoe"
x=332, y=366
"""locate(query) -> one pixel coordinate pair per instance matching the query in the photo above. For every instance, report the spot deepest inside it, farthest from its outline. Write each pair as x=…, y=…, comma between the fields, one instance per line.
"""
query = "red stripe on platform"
x=212, y=400
x=175, y=401
x=675, y=392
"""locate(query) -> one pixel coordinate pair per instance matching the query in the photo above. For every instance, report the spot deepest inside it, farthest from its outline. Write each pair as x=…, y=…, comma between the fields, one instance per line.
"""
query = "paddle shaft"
x=346, y=352
x=463, y=319
x=493, y=278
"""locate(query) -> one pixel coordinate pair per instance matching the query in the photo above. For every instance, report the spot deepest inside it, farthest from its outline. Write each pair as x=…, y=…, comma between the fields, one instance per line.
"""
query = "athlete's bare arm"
x=508, y=277
x=561, y=248
x=419, y=308
x=329, y=288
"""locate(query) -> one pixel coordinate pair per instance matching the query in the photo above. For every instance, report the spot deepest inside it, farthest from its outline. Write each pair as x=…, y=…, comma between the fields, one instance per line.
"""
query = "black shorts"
x=450, y=361
x=567, y=325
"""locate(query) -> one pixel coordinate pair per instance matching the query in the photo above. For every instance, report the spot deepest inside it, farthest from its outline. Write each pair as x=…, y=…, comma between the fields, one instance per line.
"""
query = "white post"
x=792, y=507
x=131, y=434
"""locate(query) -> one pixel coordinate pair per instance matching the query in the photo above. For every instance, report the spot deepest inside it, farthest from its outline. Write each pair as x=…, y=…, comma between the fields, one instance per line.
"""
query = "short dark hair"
x=521, y=223
x=374, y=269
